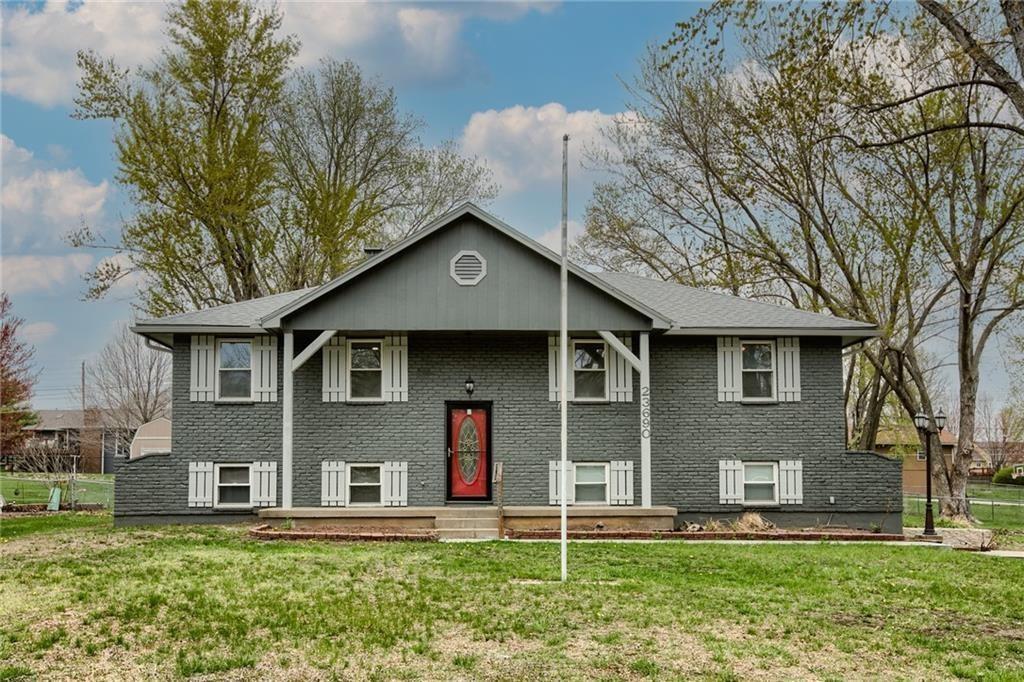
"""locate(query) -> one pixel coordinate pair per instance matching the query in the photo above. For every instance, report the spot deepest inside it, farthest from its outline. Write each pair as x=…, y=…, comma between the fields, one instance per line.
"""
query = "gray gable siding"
x=414, y=291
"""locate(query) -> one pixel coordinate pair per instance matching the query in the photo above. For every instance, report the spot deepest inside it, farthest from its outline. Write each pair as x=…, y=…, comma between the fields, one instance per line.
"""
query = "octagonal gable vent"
x=468, y=268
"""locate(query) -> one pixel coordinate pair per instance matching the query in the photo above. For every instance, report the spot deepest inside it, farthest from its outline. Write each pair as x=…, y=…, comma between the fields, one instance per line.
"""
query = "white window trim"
x=218, y=370
x=348, y=483
x=921, y=456
x=607, y=483
x=216, y=486
x=573, y=370
x=348, y=371
x=774, y=398
x=775, y=485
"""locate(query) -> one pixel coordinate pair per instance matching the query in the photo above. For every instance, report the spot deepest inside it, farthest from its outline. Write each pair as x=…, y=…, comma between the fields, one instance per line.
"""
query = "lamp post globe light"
x=922, y=423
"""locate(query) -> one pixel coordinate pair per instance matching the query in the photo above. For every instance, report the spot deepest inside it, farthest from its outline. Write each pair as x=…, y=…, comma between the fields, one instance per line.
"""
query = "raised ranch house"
x=389, y=396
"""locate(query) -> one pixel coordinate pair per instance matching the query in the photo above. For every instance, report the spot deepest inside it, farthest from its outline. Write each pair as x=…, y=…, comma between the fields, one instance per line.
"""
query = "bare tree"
x=129, y=384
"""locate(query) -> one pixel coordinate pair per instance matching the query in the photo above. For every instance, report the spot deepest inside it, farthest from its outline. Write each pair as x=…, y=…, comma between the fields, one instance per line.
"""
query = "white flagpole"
x=563, y=354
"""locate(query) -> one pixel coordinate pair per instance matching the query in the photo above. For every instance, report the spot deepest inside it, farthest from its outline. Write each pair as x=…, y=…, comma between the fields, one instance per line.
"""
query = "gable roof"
x=273, y=320
x=701, y=312
x=671, y=307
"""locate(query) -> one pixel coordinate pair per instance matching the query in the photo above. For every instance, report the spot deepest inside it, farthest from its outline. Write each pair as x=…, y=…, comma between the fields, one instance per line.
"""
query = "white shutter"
x=730, y=481
x=789, y=369
x=621, y=482
x=729, y=371
x=791, y=481
x=553, y=369
x=395, y=365
x=395, y=484
x=264, y=484
x=264, y=365
x=332, y=484
x=334, y=369
x=554, y=482
x=202, y=369
x=200, y=484
x=620, y=375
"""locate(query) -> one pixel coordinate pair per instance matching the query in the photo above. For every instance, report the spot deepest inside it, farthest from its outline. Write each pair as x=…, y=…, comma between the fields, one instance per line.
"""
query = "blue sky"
x=504, y=80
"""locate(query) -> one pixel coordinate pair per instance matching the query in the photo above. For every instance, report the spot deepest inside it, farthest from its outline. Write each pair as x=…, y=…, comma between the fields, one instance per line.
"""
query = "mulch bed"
x=15, y=508
x=815, y=535
x=268, y=532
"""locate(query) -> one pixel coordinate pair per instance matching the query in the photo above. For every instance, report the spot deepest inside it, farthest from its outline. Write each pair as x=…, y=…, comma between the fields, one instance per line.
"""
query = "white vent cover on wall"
x=468, y=268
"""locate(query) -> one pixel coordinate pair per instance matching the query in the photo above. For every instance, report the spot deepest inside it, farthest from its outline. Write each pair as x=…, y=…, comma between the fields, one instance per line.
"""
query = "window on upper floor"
x=365, y=370
x=758, y=370
x=590, y=370
x=234, y=369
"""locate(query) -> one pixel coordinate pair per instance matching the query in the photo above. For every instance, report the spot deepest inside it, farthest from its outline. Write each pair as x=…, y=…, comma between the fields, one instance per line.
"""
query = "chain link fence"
x=994, y=512
x=30, y=488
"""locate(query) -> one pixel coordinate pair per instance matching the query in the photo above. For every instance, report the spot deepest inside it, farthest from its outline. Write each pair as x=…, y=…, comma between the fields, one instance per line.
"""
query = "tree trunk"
x=873, y=413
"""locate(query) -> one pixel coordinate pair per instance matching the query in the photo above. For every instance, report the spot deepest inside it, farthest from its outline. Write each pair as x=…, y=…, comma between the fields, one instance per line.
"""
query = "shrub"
x=1005, y=477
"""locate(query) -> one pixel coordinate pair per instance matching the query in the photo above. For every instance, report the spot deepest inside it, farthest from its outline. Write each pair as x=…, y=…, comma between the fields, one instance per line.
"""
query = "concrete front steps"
x=457, y=522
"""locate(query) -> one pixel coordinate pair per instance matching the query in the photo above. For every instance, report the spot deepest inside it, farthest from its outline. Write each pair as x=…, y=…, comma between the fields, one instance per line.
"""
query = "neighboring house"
x=386, y=397
x=903, y=443
x=152, y=438
x=1005, y=453
x=98, y=442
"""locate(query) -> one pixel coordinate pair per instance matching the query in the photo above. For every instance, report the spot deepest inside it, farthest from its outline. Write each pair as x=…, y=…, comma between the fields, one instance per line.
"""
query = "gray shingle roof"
x=244, y=314
x=688, y=307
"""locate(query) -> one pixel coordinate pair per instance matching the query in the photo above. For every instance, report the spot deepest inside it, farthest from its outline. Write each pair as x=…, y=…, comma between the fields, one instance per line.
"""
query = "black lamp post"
x=470, y=386
x=922, y=423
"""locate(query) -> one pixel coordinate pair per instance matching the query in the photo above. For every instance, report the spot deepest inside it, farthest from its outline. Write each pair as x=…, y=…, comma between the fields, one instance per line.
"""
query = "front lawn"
x=91, y=601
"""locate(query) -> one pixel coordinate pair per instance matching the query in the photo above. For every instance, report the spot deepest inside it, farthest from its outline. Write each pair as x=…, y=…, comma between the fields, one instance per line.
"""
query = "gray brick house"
x=389, y=396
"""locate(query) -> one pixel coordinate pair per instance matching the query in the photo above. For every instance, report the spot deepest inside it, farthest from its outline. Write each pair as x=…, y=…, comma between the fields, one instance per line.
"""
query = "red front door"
x=469, y=455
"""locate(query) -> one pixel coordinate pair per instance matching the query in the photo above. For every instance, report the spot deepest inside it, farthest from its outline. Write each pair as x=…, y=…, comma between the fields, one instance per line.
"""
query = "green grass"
x=24, y=489
x=12, y=526
x=1005, y=493
x=86, y=600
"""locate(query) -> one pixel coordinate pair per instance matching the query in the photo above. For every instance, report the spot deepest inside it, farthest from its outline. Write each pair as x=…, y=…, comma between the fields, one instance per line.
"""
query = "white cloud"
x=523, y=145
x=130, y=281
x=400, y=42
x=553, y=237
x=40, y=204
x=22, y=274
x=39, y=43
x=37, y=332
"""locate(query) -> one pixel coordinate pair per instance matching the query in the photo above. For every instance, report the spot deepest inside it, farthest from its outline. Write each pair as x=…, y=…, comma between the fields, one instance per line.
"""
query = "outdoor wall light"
x=470, y=386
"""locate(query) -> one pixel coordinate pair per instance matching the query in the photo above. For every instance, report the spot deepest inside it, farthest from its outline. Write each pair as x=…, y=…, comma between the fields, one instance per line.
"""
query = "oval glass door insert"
x=469, y=451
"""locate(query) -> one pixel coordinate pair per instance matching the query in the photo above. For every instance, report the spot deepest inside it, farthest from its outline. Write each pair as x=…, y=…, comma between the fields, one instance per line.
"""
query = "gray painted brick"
x=691, y=430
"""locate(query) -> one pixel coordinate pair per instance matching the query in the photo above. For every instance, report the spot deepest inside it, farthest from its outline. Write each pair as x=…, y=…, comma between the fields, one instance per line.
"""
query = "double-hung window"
x=590, y=371
x=365, y=370
x=364, y=484
x=233, y=489
x=758, y=369
x=234, y=369
x=760, y=483
x=590, y=483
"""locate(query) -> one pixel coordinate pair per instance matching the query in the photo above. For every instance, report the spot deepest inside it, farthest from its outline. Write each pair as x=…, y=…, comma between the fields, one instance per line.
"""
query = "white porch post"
x=286, y=422
x=645, y=420
x=642, y=365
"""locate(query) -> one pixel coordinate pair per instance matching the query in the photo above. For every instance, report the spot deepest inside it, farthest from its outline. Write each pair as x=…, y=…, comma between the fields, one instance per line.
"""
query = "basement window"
x=590, y=483
x=760, y=483
x=233, y=490
x=364, y=486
